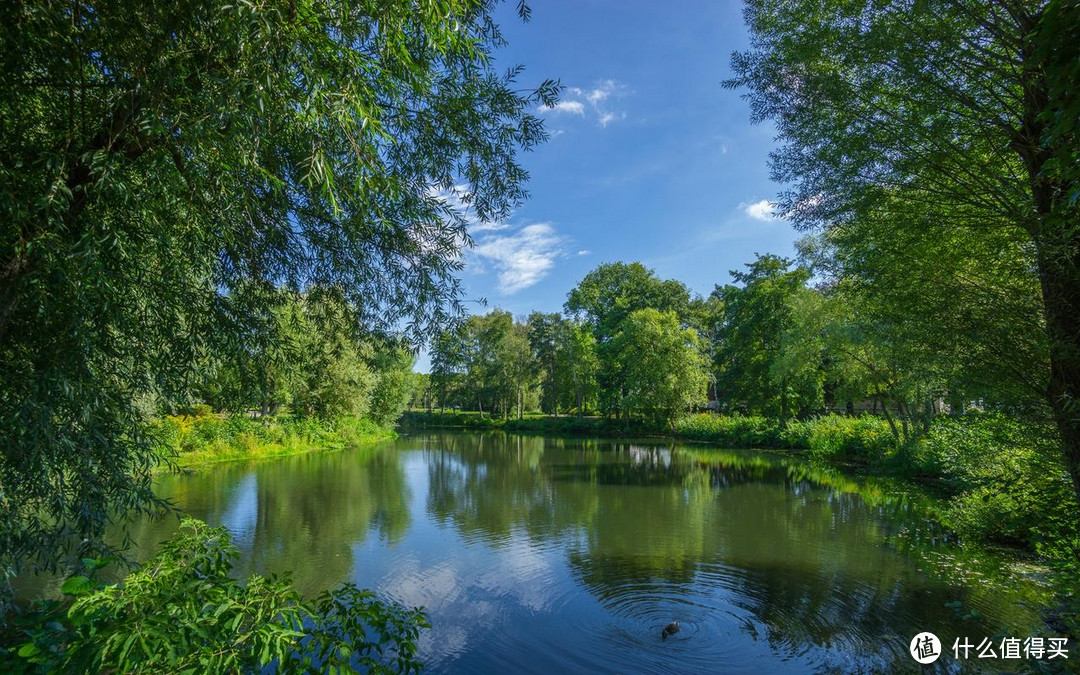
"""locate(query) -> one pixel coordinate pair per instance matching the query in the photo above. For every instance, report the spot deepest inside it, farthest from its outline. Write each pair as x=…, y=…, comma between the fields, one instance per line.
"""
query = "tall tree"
x=547, y=335
x=761, y=356
x=578, y=351
x=609, y=293
x=907, y=109
x=394, y=383
x=663, y=365
x=521, y=367
x=605, y=298
x=157, y=156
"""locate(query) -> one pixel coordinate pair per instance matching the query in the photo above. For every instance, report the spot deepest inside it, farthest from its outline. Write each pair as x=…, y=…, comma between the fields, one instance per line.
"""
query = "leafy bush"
x=864, y=439
x=1007, y=481
x=734, y=431
x=470, y=420
x=195, y=439
x=182, y=612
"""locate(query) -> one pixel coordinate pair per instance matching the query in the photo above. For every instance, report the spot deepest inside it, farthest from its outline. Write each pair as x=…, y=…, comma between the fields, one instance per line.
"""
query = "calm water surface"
x=552, y=555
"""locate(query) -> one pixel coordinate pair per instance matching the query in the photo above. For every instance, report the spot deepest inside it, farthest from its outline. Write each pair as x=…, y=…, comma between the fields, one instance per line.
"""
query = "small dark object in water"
x=669, y=629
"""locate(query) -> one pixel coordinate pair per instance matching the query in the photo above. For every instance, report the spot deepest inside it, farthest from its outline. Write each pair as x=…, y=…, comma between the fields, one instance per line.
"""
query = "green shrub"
x=182, y=612
x=863, y=439
x=738, y=431
x=734, y=431
x=1006, y=479
x=453, y=418
x=198, y=439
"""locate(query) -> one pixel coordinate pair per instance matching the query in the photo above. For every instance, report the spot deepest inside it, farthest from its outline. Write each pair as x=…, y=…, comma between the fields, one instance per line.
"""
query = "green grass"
x=196, y=440
x=865, y=439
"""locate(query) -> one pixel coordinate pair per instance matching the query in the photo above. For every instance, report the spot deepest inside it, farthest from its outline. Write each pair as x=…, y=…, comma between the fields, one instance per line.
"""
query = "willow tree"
x=958, y=116
x=157, y=158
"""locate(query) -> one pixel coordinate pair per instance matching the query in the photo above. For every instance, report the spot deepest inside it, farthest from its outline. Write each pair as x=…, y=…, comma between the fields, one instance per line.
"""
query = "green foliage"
x=188, y=440
x=182, y=612
x=451, y=419
x=768, y=358
x=611, y=292
x=1006, y=482
x=394, y=384
x=937, y=142
x=864, y=439
x=578, y=354
x=734, y=431
x=547, y=338
x=603, y=300
x=333, y=370
x=486, y=364
x=533, y=424
x=166, y=168
x=663, y=369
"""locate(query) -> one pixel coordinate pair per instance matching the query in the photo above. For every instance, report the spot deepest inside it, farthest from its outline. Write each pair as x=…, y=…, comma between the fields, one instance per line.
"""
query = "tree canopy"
x=166, y=168
x=951, y=118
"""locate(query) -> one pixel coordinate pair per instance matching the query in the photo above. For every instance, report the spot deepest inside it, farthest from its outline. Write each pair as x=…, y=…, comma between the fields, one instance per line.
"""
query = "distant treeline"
x=786, y=340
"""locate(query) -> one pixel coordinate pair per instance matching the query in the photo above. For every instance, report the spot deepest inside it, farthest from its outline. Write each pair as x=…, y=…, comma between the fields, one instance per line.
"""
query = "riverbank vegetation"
x=193, y=440
x=934, y=295
x=799, y=356
x=183, y=612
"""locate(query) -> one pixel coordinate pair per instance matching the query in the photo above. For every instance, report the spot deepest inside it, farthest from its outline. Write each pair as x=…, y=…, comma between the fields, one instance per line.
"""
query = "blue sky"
x=650, y=158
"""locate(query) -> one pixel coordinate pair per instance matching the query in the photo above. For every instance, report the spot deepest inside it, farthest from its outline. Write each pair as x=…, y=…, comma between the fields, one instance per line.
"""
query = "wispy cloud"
x=762, y=210
x=522, y=258
x=594, y=103
x=569, y=107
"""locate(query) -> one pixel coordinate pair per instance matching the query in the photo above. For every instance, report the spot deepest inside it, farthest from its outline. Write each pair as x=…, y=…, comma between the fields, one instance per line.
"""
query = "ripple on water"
x=713, y=627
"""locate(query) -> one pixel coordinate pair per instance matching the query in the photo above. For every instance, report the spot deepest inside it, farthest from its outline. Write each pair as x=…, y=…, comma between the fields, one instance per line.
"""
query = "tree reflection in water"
x=578, y=551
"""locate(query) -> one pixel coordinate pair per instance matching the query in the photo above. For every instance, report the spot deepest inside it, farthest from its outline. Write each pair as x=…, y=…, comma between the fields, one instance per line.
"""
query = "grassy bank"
x=193, y=440
x=862, y=439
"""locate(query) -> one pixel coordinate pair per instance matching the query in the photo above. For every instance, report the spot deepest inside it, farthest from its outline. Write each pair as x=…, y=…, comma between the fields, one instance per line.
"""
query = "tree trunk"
x=1057, y=245
x=1060, y=282
x=783, y=399
x=888, y=417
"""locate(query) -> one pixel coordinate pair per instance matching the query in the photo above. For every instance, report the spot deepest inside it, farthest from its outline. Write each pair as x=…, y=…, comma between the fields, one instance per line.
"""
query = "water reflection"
x=300, y=515
x=538, y=554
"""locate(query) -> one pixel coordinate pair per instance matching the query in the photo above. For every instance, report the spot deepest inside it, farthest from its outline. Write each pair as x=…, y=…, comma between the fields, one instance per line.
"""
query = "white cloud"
x=762, y=210
x=591, y=103
x=604, y=89
x=522, y=258
x=584, y=251
x=569, y=107
x=494, y=226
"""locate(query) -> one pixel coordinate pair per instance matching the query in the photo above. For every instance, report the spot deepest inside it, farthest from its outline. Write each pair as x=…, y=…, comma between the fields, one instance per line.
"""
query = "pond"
x=537, y=554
